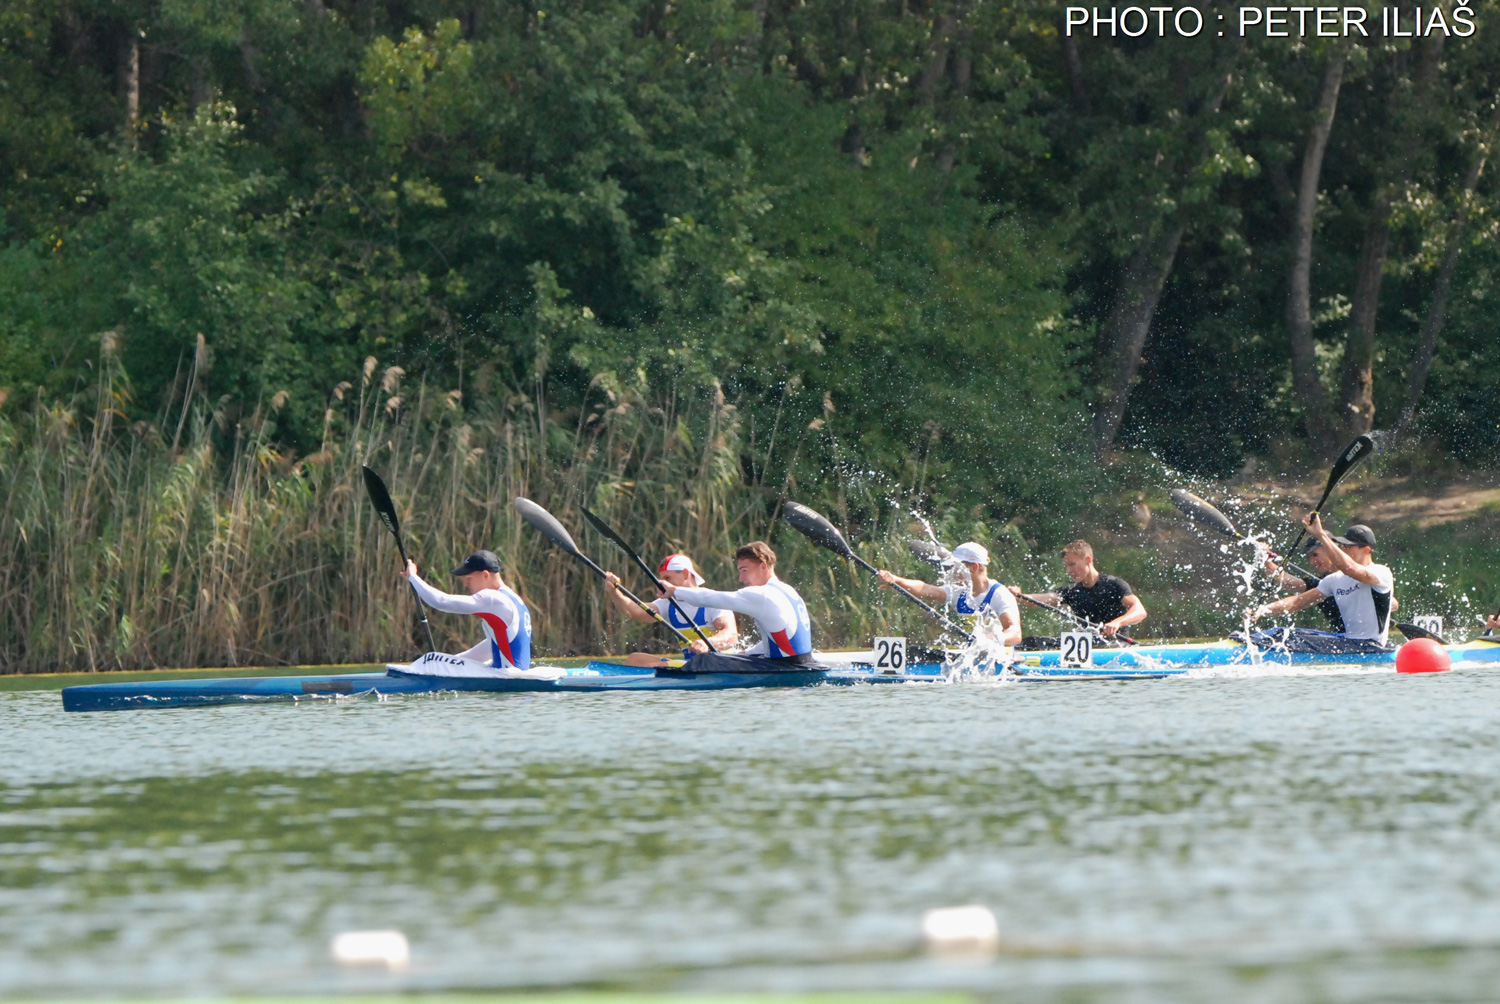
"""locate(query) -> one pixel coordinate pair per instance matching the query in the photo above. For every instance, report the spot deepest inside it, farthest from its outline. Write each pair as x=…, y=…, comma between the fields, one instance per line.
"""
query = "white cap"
x=971, y=552
x=680, y=563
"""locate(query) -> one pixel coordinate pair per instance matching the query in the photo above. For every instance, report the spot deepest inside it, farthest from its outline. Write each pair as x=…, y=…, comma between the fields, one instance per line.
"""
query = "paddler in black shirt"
x=1105, y=600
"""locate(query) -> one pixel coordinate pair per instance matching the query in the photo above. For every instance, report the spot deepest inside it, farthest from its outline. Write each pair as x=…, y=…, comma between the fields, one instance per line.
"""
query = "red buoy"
x=1422, y=655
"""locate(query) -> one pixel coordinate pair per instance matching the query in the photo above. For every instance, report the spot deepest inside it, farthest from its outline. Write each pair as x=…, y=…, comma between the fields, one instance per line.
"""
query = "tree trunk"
x=1130, y=322
x=1357, y=411
x=1299, y=293
x=961, y=70
x=130, y=80
x=1432, y=327
x=1073, y=65
x=937, y=58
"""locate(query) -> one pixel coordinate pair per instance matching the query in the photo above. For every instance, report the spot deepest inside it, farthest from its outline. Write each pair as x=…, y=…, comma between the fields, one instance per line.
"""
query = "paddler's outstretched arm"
x=436, y=598
x=750, y=601
x=1051, y=599
x=1289, y=605
x=627, y=607
x=923, y=589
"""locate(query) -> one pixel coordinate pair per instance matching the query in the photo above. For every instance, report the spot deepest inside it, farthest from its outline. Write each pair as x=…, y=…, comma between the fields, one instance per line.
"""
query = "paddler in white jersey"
x=506, y=620
x=780, y=614
x=717, y=624
x=973, y=597
x=1363, y=589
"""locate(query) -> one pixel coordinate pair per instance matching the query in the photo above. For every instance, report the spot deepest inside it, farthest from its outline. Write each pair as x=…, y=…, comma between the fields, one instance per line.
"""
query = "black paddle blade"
x=604, y=528
x=381, y=500
x=546, y=524
x=1413, y=632
x=816, y=529
x=1203, y=512
x=926, y=550
x=1356, y=451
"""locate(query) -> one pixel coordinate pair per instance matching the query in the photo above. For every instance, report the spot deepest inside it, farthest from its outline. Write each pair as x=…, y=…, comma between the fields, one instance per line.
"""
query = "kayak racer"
x=1105, y=600
x=779, y=612
x=503, y=614
x=974, y=596
x=718, y=624
x=1317, y=556
x=1363, y=590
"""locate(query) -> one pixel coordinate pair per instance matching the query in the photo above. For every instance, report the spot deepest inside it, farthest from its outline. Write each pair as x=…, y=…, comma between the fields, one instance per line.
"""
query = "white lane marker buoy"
x=961, y=929
x=371, y=948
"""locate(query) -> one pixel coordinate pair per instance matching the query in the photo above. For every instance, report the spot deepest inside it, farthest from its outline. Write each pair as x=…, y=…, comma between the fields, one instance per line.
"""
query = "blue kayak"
x=595, y=677
x=837, y=669
x=1233, y=653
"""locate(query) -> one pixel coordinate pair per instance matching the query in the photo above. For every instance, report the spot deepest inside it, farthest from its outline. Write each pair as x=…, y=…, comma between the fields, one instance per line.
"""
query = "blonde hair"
x=1079, y=547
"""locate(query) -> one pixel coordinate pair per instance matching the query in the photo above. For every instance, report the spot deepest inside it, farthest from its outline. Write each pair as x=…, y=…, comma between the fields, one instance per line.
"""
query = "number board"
x=890, y=655
x=1428, y=623
x=1075, y=648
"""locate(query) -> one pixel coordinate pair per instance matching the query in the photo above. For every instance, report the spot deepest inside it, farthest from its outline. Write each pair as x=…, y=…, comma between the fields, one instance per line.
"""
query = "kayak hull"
x=596, y=677
x=1139, y=662
x=1233, y=653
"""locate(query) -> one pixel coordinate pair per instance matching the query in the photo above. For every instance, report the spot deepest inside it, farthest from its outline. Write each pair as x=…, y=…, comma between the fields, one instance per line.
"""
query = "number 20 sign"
x=1076, y=648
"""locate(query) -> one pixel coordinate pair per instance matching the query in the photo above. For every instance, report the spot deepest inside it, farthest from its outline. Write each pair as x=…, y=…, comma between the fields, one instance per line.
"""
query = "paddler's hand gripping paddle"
x=618, y=541
x=386, y=509
x=1353, y=454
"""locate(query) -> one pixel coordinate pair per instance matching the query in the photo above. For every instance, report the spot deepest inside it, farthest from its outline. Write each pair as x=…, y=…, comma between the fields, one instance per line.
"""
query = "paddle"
x=937, y=556
x=547, y=524
x=386, y=510
x=1356, y=451
x=925, y=550
x=1413, y=632
x=1201, y=511
x=823, y=533
x=604, y=528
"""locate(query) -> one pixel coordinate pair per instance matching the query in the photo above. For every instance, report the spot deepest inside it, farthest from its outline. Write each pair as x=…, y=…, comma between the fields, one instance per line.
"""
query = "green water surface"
x=1288, y=838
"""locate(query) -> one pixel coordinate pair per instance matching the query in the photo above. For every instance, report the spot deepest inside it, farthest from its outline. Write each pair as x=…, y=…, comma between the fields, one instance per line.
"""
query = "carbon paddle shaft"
x=547, y=525
x=619, y=542
x=1353, y=454
x=816, y=528
x=380, y=498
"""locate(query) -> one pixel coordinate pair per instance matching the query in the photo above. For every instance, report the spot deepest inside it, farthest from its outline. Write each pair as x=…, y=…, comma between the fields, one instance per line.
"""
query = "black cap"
x=1311, y=545
x=479, y=561
x=1357, y=535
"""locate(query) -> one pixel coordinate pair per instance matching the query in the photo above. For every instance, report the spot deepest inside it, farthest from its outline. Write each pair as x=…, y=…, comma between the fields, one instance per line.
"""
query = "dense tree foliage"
x=949, y=236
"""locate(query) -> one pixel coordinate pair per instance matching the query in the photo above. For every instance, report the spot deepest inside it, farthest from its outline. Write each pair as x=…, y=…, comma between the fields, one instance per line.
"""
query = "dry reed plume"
x=194, y=542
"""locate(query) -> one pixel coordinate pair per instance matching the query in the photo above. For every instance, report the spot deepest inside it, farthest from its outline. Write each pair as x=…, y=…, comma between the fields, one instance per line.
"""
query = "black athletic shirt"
x=1328, y=605
x=1103, y=602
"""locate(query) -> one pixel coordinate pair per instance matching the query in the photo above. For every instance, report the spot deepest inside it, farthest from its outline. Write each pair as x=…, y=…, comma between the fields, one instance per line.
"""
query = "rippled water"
x=1271, y=839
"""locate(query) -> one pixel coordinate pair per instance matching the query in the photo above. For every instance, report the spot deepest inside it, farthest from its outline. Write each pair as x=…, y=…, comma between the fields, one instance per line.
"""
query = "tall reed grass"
x=194, y=541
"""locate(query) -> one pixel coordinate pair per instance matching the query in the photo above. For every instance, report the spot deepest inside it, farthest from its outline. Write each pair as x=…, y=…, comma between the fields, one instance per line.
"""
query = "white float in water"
x=961, y=929
x=371, y=948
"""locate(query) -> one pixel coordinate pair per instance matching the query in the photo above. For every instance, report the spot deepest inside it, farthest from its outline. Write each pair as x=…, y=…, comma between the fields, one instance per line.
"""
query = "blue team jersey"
x=799, y=640
x=511, y=651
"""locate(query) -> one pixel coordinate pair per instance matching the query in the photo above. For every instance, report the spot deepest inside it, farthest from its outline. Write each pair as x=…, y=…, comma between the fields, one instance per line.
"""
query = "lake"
x=1315, y=837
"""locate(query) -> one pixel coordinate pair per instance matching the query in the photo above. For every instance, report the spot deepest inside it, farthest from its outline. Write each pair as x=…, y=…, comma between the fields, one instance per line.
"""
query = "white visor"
x=971, y=552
